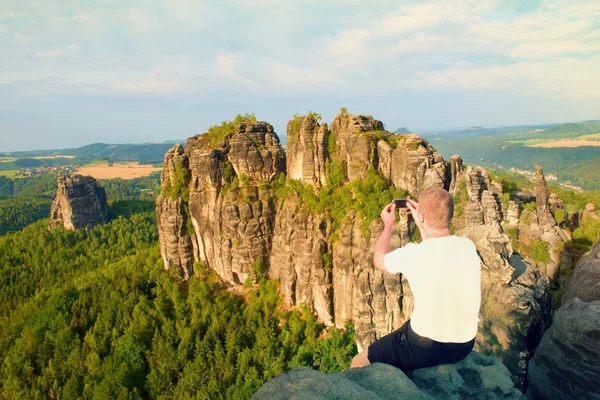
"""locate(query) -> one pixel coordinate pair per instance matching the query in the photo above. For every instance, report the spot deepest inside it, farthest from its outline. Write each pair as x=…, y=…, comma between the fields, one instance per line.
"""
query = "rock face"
x=542, y=197
x=539, y=225
x=307, y=150
x=475, y=377
x=566, y=365
x=80, y=202
x=484, y=199
x=456, y=171
x=567, y=362
x=515, y=302
x=512, y=214
x=219, y=206
x=585, y=283
x=172, y=214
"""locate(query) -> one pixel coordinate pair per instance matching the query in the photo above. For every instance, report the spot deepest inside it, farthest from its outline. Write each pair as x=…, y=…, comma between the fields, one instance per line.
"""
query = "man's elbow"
x=378, y=261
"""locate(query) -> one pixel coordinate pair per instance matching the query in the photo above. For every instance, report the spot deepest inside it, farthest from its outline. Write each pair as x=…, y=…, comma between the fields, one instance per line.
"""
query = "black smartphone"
x=400, y=203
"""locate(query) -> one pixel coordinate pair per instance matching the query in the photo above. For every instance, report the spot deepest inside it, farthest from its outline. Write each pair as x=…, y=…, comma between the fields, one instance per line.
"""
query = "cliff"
x=227, y=203
x=475, y=377
x=566, y=365
x=80, y=202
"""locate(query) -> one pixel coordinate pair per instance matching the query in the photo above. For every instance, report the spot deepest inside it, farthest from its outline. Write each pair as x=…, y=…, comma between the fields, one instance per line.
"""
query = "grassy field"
x=10, y=173
x=566, y=143
x=117, y=170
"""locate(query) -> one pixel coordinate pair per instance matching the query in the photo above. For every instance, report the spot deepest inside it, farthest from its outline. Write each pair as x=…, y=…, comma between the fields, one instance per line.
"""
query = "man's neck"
x=436, y=233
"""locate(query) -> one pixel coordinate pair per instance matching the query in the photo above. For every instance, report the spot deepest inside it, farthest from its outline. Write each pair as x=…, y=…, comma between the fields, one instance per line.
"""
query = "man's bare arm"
x=383, y=244
x=382, y=248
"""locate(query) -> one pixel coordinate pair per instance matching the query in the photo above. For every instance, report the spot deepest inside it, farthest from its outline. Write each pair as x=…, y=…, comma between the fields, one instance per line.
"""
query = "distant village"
x=39, y=171
x=549, y=177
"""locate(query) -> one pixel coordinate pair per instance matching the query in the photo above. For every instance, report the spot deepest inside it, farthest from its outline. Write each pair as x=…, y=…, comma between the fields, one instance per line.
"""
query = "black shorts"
x=406, y=350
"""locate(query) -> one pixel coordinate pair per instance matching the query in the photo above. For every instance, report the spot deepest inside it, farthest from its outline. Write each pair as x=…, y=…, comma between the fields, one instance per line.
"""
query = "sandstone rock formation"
x=516, y=304
x=566, y=365
x=542, y=196
x=484, y=199
x=308, y=151
x=456, y=171
x=172, y=214
x=475, y=377
x=539, y=225
x=355, y=143
x=512, y=214
x=585, y=283
x=230, y=218
x=567, y=362
x=589, y=213
x=80, y=202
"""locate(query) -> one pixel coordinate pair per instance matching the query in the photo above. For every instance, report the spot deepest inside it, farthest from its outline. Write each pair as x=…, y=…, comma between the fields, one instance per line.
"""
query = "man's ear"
x=421, y=218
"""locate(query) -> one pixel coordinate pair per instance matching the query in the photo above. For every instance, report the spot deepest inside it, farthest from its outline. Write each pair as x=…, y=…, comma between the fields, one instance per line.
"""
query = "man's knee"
x=361, y=360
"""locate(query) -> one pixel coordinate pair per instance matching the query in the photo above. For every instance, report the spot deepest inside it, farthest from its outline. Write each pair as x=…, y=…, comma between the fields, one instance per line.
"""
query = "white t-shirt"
x=445, y=277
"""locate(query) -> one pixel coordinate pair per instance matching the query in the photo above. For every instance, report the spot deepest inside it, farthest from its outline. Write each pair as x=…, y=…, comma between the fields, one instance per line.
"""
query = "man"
x=444, y=274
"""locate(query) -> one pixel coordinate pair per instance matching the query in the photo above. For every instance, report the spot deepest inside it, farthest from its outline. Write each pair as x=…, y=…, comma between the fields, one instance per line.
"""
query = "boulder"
x=475, y=377
x=566, y=365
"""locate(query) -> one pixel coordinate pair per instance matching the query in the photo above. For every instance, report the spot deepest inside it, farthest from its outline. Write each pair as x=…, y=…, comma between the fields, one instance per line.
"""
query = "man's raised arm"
x=383, y=244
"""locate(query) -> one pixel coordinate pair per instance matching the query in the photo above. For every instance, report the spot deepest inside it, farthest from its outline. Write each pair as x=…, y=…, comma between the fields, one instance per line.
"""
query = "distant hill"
x=508, y=147
x=402, y=130
x=145, y=153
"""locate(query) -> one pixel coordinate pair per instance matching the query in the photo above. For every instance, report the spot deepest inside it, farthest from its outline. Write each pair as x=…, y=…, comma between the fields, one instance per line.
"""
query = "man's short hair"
x=437, y=206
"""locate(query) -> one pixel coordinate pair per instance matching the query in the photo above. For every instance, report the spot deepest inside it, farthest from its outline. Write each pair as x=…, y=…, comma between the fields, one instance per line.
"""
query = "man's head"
x=436, y=208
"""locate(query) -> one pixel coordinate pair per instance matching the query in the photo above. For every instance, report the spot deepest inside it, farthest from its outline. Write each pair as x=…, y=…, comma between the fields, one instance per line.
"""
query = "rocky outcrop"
x=589, y=213
x=80, y=202
x=475, y=377
x=172, y=214
x=512, y=214
x=567, y=362
x=484, y=199
x=515, y=302
x=407, y=161
x=355, y=139
x=416, y=165
x=303, y=260
x=456, y=171
x=566, y=365
x=539, y=225
x=307, y=150
x=233, y=216
x=585, y=283
x=542, y=195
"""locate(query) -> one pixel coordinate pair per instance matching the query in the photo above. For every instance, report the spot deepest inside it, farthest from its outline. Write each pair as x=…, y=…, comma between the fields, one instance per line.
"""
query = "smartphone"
x=400, y=203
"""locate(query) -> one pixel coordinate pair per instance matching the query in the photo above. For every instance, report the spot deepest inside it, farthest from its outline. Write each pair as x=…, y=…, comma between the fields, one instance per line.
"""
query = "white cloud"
x=185, y=9
x=57, y=52
x=20, y=38
x=565, y=78
x=289, y=77
x=151, y=84
x=227, y=65
x=84, y=17
x=410, y=19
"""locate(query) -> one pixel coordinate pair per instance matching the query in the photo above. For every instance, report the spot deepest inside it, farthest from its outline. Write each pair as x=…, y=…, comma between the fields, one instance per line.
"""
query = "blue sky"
x=79, y=71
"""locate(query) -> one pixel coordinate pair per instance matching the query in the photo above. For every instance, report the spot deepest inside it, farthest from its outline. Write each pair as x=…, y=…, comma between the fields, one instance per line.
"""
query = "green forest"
x=27, y=200
x=95, y=315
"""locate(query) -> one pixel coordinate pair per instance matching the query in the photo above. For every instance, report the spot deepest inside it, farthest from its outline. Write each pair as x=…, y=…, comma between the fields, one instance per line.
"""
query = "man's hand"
x=412, y=207
x=387, y=215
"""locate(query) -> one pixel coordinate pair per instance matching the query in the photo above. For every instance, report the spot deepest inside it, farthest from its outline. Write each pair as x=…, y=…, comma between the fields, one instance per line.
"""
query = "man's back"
x=444, y=275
